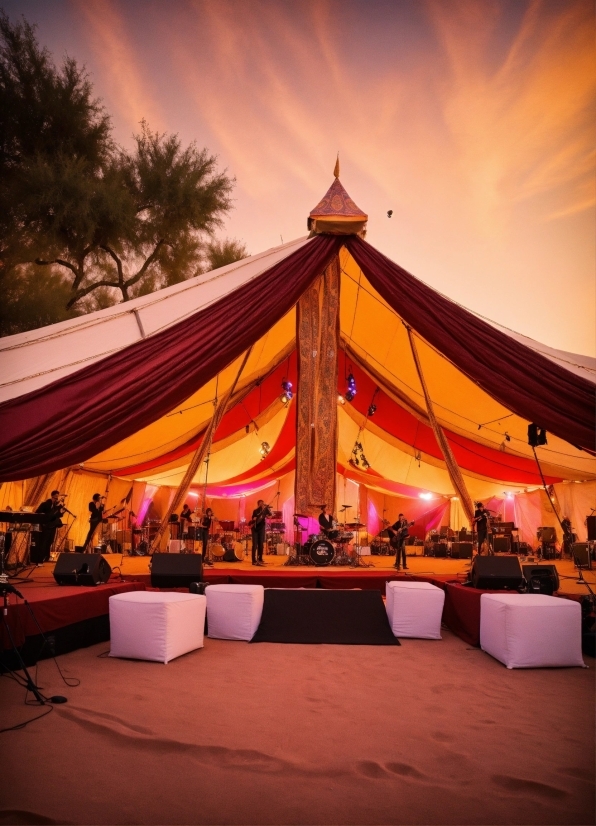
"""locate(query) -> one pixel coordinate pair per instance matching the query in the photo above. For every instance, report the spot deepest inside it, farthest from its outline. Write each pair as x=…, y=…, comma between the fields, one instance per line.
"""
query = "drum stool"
x=531, y=630
x=415, y=609
x=146, y=625
x=234, y=611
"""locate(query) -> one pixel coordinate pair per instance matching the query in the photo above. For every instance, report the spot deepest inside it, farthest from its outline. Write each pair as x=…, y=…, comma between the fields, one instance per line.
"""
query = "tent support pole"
x=198, y=457
x=453, y=469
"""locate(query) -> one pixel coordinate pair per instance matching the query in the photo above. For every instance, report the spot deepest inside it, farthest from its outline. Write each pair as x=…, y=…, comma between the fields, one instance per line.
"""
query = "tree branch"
x=59, y=261
x=152, y=258
x=86, y=290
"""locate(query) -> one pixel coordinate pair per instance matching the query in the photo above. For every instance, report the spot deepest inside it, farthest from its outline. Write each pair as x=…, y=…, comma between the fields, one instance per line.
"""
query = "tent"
x=127, y=393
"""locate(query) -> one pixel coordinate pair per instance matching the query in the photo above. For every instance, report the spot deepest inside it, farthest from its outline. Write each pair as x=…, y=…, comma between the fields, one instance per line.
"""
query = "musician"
x=398, y=533
x=96, y=509
x=481, y=522
x=328, y=524
x=203, y=533
x=185, y=520
x=568, y=535
x=258, y=527
x=7, y=530
x=55, y=509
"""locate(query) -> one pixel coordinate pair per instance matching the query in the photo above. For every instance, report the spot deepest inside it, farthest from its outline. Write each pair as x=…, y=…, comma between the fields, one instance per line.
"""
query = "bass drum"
x=321, y=552
x=217, y=551
x=239, y=551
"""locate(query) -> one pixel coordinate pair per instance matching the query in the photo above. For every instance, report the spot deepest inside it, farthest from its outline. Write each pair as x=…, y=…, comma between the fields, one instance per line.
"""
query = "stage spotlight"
x=341, y=400
x=351, y=391
x=264, y=450
x=372, y=410
x=389, y=213
x=287, y=394
x=425, y=495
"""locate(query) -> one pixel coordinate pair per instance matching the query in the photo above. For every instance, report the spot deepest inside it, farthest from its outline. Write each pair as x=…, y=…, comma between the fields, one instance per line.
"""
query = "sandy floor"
x=426, y=733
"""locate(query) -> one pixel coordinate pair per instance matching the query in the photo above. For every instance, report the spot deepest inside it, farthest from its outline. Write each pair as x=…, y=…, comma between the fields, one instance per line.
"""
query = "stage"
x=75, y=617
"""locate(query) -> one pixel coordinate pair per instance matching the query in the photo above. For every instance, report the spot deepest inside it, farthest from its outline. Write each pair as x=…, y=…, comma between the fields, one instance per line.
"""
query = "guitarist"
x=258, y=526
x=481, y=522
x=398, y=533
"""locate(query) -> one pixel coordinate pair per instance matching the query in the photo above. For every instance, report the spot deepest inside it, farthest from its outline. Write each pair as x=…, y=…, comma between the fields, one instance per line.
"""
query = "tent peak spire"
x=336, y=213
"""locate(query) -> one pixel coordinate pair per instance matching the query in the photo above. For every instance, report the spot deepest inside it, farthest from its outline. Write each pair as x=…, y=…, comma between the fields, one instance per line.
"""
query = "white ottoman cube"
x=234, y=611
x=415, y=609
x=531, y=630
x=147, y=625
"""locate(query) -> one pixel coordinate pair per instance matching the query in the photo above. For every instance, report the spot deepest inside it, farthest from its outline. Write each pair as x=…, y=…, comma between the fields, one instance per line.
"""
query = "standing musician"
x=257, y=523
x=481, y=522
x=185, y=520
x=568, y=536
x=55, y=508
x=96, y=509
x=203, y=533
x=398, y=532
x=328, y=524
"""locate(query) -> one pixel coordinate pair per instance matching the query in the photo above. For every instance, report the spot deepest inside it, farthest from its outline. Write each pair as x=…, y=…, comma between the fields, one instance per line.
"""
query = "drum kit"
x=333, y=548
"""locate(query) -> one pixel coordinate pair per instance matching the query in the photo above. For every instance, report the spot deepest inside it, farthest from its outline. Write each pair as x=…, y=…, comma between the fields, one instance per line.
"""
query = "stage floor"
x=426, y=566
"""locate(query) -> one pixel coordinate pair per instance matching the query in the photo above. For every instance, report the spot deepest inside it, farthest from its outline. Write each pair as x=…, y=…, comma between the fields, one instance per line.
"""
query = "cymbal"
x=355, y=525
x=345, y=507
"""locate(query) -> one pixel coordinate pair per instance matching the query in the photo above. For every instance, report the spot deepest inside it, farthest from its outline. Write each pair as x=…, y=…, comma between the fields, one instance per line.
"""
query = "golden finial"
x=336, y=170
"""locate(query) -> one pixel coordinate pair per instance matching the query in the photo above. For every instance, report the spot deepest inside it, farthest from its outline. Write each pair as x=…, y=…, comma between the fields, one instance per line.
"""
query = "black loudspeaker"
x=496, y=572
x=547, y=534
x=591, y=525
x=176, y=570
x=36, y=549
x=524, y=549
x=74, y=569
x=439, y=549
x=580, y=553
x=501, y=544
x=461, y=550
x=541, y=579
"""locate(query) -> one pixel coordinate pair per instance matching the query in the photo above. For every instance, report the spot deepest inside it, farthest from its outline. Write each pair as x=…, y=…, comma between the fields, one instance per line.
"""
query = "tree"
x=116, y=224
x=220, y=253
x=29, y=302
x=48, y=121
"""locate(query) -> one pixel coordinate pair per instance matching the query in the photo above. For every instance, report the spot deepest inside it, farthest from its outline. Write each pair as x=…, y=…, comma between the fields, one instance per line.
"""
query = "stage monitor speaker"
x=580, y=553
x=496, y=573
x=461, y=550
x=591, y=525
x=439, y=549
x=543, y=579
x=77, y=569
x=501, y=544
x=175, y=570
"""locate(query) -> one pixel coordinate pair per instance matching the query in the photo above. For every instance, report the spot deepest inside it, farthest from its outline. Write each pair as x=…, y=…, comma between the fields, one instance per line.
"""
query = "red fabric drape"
x=526, y=382
x=72, y=419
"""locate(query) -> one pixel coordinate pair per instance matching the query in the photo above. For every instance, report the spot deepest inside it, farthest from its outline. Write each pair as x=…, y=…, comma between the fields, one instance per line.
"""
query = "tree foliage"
x=114, y=223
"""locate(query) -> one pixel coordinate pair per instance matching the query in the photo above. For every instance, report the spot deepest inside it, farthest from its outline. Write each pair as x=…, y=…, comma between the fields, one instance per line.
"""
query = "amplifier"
x=591, y=525
x=461, y=550
x=547, y=534
x=580, y=552
x=439, y=549
x=124, y=536
x=501, y=544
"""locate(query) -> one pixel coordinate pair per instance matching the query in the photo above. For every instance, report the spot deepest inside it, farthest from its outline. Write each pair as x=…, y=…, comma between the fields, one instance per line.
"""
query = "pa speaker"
x=580, y=552
x=176, y=570
x=77, y=569
x=461, y=550
x=496, y=572
x=542, y=579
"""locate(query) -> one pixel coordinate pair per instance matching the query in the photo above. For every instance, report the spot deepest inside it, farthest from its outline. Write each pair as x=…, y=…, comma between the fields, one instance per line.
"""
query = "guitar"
x=257, y=521
x=395, y=536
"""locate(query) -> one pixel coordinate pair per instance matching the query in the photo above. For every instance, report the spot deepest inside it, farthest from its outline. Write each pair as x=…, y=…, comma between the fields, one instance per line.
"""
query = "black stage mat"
x=346, y=617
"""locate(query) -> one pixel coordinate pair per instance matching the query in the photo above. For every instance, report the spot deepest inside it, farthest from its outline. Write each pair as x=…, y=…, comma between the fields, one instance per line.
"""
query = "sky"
x=473, y=120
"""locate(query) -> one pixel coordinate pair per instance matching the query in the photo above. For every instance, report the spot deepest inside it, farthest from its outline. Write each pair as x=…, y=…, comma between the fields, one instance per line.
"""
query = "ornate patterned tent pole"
x=198, y=456
x=457, y=480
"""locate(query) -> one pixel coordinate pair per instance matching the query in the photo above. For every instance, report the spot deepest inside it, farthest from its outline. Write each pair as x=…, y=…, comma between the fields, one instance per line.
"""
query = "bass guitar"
x=396, y=535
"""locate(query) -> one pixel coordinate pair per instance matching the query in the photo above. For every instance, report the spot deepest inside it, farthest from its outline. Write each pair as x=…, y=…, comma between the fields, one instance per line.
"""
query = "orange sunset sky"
x=472, y=120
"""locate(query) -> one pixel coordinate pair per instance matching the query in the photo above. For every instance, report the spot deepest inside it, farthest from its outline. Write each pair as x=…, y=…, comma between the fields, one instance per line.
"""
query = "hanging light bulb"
x=287, y=394
x=341, y=400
